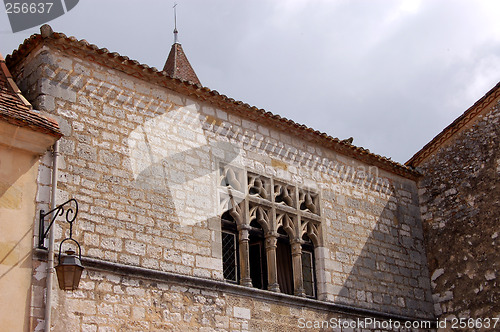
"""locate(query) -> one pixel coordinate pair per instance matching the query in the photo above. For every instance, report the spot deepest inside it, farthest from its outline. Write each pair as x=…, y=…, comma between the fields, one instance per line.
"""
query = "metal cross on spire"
x=175, y=24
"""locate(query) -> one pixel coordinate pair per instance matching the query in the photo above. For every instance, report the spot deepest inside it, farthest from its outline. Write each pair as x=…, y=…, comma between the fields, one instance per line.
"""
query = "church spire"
x=177, y=64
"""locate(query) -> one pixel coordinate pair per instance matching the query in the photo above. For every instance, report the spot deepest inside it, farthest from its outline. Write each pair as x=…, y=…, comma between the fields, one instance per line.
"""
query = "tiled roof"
x=16, y=110
x=178, y=66
x=134, y=68
x=454, y=127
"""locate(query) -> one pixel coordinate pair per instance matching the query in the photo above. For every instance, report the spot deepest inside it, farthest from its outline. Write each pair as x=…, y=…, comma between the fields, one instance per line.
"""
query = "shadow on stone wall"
x=389, y=274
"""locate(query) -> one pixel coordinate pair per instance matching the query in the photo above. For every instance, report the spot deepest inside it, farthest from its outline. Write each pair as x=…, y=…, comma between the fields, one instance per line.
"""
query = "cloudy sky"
x=390, y=73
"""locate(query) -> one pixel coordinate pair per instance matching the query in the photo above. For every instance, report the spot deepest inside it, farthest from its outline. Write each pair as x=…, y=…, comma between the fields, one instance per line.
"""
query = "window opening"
x=284, y=264
x=229, y=248
x=230, y=256
x=309, y=278
x=257, y=255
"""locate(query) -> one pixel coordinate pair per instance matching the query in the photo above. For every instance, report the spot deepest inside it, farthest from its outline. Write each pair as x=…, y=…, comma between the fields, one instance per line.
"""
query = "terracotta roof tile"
x=180, y=85
x=16, y=110
x=178, y=66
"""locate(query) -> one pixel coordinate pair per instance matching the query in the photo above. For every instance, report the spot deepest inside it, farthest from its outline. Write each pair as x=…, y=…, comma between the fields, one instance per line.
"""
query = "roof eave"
x=134, y=68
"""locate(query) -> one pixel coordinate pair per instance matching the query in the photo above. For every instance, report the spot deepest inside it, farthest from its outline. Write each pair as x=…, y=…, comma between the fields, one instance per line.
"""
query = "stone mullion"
x=298, y=280
x=296, y=244
x=271, y=244
x=272, y=271
x=243, y=238
x=243, y=231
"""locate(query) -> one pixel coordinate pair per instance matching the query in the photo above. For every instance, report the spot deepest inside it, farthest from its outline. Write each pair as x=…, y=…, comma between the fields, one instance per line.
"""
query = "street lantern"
x=69, y=270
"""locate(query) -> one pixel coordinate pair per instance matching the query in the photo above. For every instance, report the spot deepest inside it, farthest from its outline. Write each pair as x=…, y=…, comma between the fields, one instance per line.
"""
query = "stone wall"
x=460, y=207
x=143, y=162
x=117, y=302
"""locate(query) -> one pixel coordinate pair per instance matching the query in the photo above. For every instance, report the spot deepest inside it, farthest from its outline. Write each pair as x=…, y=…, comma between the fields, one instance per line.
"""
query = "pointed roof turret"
x=177, y=64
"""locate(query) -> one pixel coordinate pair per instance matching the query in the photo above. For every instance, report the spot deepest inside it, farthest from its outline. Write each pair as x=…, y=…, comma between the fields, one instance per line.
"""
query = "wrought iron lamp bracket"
x=56, y=212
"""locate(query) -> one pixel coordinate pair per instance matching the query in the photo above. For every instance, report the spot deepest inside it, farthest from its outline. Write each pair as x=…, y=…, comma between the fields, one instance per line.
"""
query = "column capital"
x=271, y=234
x=243, y=231
x=243, y=227
x=271, y=242
x=296, y=248
x=296, y=240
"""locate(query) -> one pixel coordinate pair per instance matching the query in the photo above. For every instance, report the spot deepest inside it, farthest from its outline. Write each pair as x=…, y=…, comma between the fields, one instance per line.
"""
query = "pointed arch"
x=288, y=224
x=260, y=215
x=311, y=229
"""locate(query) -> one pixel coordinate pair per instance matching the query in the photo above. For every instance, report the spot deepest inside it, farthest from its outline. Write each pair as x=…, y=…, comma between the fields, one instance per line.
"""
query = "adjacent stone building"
x=460, y=205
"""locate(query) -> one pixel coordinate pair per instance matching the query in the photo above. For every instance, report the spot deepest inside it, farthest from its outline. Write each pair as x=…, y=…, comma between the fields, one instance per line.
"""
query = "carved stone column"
x=298, y=280
x=245, y=279
x=272, y=271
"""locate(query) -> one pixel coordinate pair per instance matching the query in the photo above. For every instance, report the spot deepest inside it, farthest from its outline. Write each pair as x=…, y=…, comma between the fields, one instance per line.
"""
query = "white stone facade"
x=144, y=162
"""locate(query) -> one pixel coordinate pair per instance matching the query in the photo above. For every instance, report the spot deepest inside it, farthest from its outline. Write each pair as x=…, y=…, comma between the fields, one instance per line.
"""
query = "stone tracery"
x=270, y=213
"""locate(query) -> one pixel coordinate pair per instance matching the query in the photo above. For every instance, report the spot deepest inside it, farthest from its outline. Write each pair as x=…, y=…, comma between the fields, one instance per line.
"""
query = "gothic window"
x=259, y=226
x=230, y=258
x=229, y=248
x=308, y=269
x=309, y=232
x=284, y=263
x=257, y=254
x=270, y=229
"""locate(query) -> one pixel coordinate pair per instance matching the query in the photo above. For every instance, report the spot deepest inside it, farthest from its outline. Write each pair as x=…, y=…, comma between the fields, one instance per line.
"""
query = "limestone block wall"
x=143, y=162
x=460, y=209
x=130, y=304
